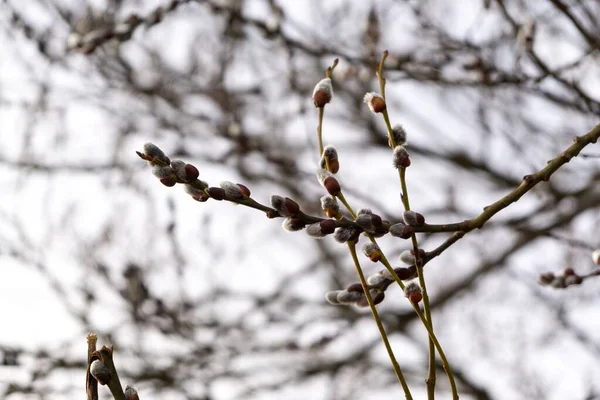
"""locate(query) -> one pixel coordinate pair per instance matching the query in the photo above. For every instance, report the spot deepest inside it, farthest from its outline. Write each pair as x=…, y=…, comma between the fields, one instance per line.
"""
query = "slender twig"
x=320, y=130
x=114, y=384
x=91, y=384
x=431, y=375
x=384, y=338
x=445, y=362
x=528, y=183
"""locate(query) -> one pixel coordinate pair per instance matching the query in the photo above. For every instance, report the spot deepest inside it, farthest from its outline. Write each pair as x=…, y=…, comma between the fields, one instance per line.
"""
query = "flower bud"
x=399, y=135
x=331, y=297
x=401, y=230
x=376, y=279
x=197, y=194
x=285, y=206
x=372, y=251
x=375, y=102
x=191, y=172
x=100, y=372
x=377, y=296
x=184, y=172
x=345, y=297
x=332, y=186
x=168, y=181
x=413, y=293
x=131, y=393
x=161, y=171
x=355, y=287
x=155, y=155
x=245, y=190
x=216, y=193
x=293, y=224
x=322, y=93
x=596, y=256
x=329, y=182
x=330, y=206
x=346, y=234
x=330, y=158
x=364, y=221
x=232, y=191
x=321, y=229
x=402, y=273
x=413, y=218
x=382, y=227
x=407, y=257
x=400, y=157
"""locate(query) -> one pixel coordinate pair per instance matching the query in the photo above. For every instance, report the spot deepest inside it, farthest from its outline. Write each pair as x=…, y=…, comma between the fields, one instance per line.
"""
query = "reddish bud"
x=400, y=157
x=413, y=218
x=355, y=287
x=131, y=393
x=191, y=172
x=322, y=93
x=332, y=185
x=328, y=226
x=293, y=224
x=375, y=102
x=401, y=230
x=378, y=298
x=216, y=193
x=244, y=189
x=413, y=293
x=372, y=251
x=405, y=273
x=168, y=181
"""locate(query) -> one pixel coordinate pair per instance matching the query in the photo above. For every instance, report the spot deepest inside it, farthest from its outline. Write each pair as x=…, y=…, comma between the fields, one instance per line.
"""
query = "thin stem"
x=384, y=338
x=342, y=199
x=320, y=130
x=431, y=376
x=114, y=384
x=380, y=73
x=91, y=382
x=445, y=362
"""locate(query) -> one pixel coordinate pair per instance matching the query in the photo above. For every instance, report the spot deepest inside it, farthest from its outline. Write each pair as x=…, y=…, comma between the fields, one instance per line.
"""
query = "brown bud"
x=378, y=298
x=334, y=166
x=191, y=172
x=375, y=102
x=328, y=226
x=321, y=98
x=355, y=287
x=168, y=181
x=244, y=189
x=406, y=273
x=332, y=185
x=216, y=193
x=413, y=293
x=291, y=206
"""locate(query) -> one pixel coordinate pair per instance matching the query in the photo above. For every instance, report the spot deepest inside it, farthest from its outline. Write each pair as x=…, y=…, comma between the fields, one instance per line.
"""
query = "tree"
x=215, y=301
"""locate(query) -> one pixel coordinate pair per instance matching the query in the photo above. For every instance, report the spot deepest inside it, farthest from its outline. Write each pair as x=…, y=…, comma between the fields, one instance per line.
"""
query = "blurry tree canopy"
x=213, y=301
